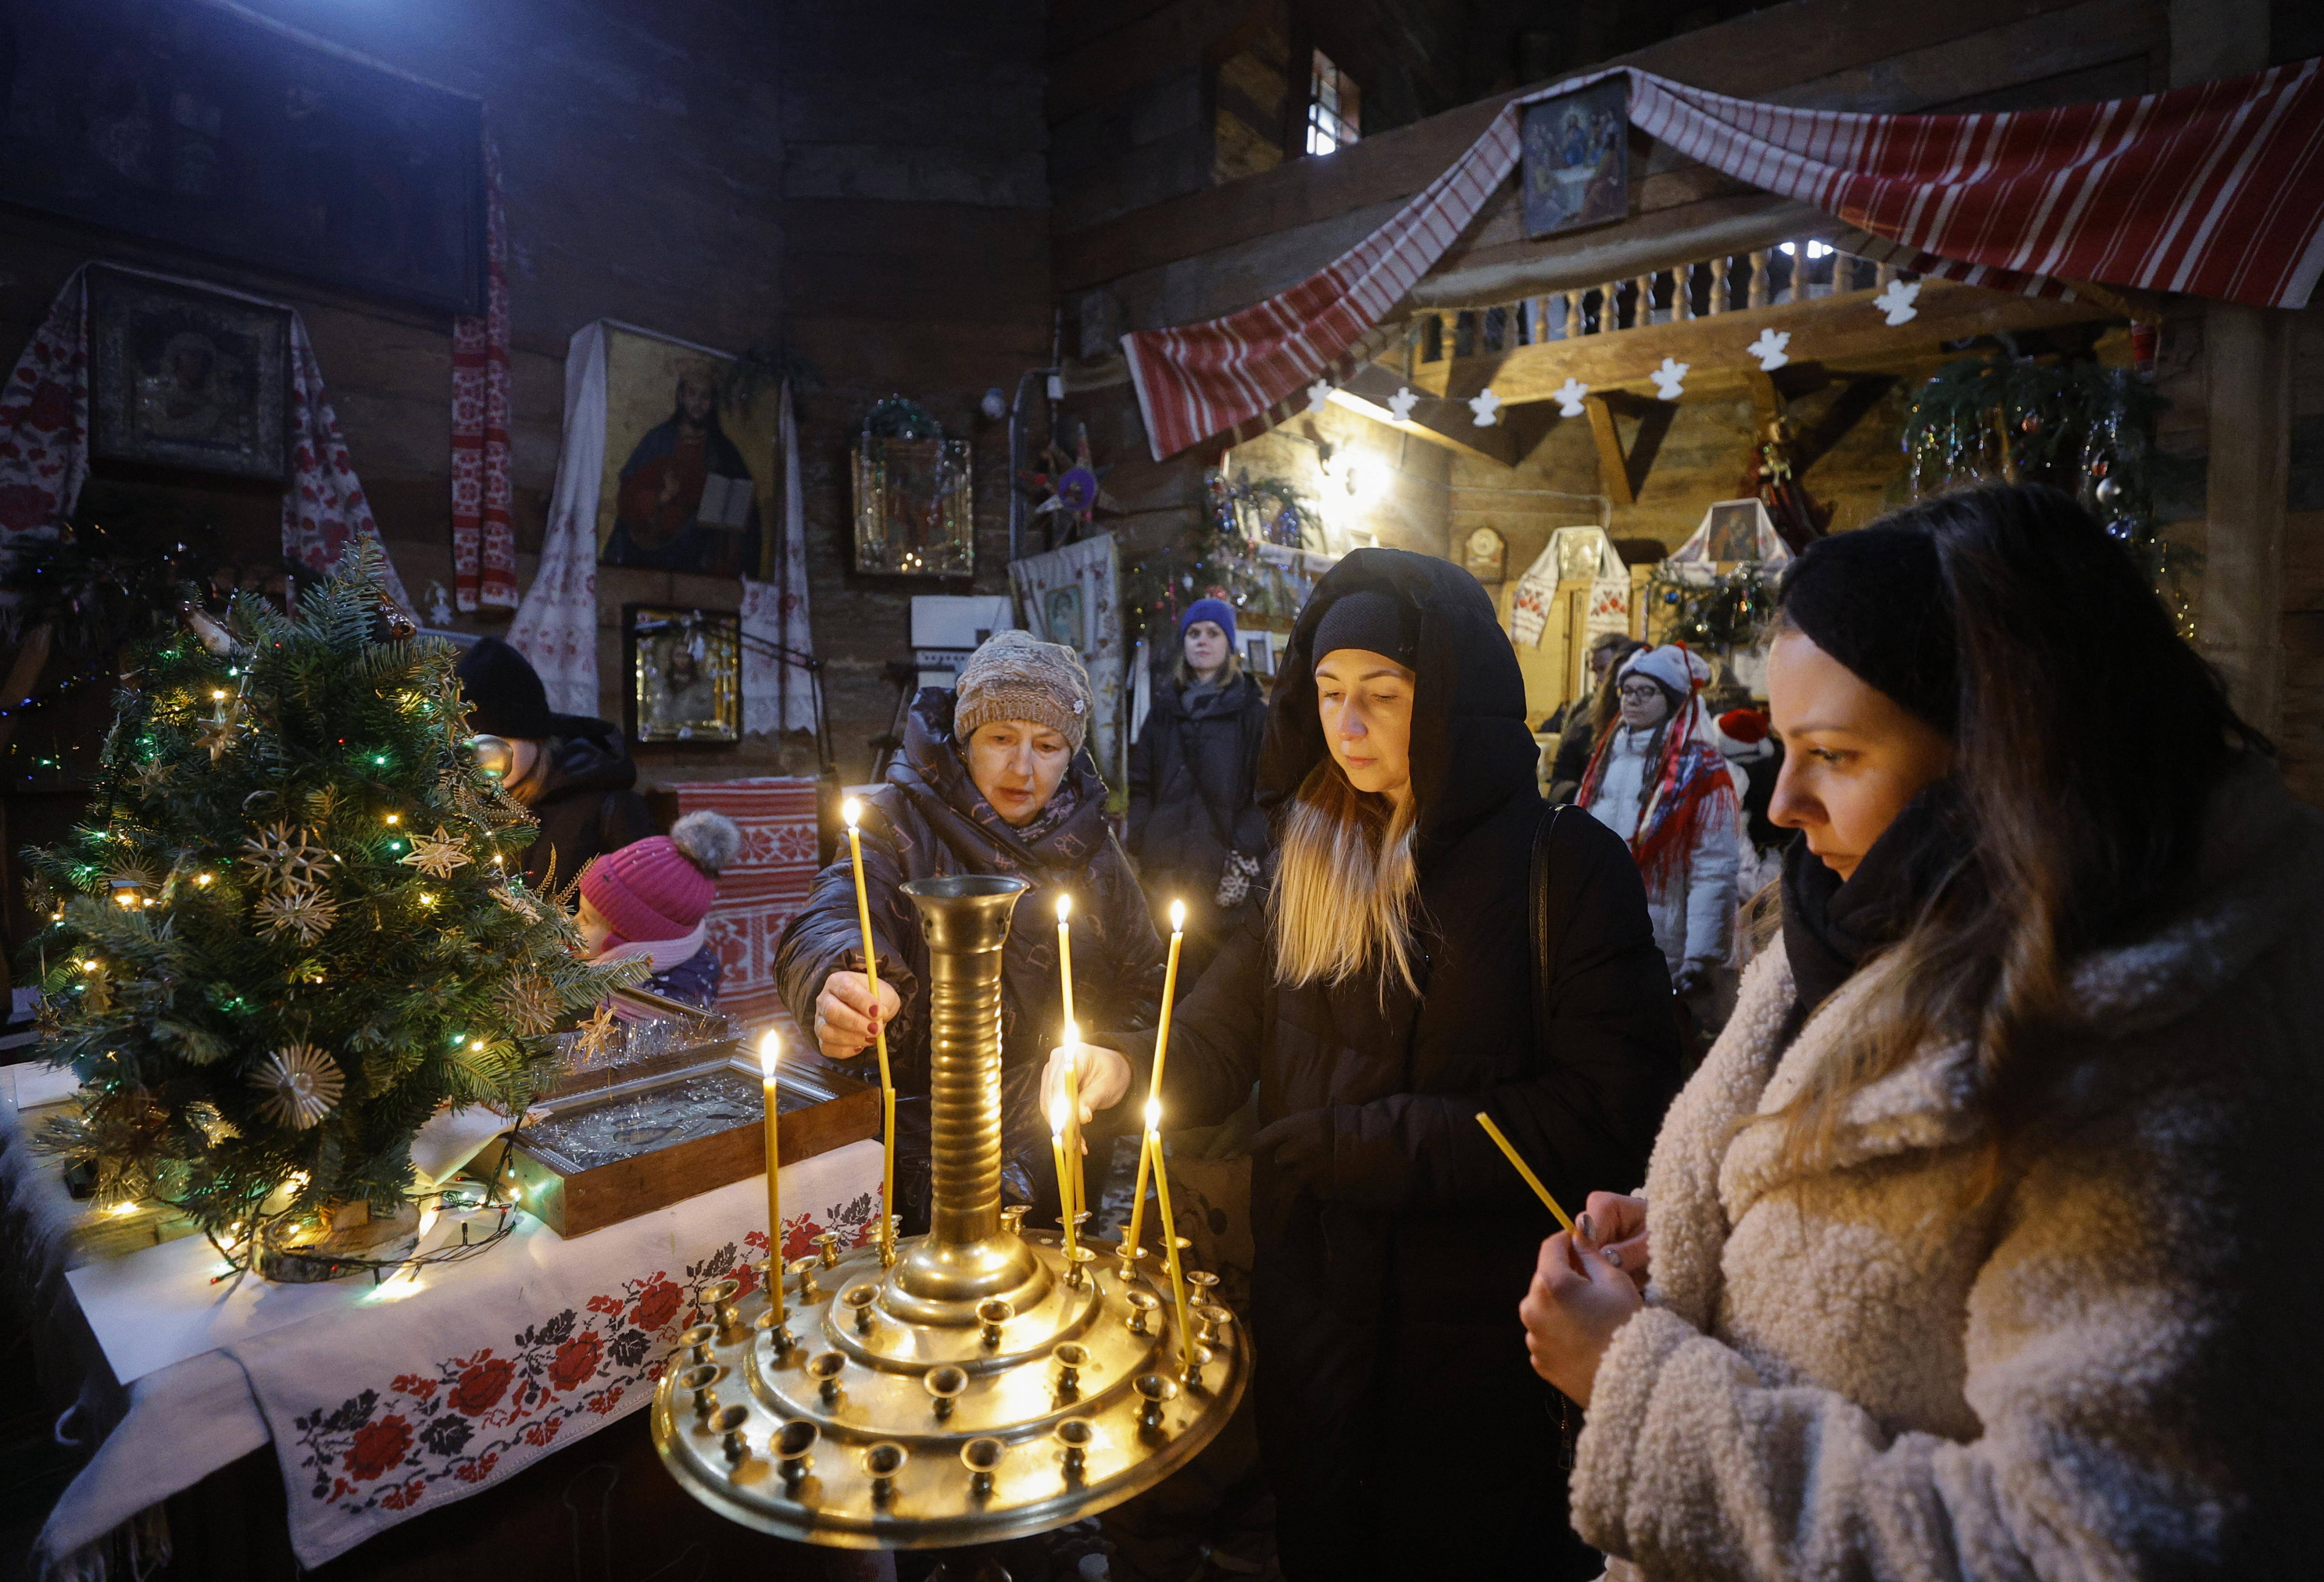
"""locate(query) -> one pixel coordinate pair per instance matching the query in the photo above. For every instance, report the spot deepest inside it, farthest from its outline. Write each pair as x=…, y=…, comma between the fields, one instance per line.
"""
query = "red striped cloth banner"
x=765, y=884
x=484, y=543
x=2214, y=191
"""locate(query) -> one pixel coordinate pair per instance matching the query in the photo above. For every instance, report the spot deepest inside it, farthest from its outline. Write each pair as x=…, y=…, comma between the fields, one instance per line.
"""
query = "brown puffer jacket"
x=929, y=820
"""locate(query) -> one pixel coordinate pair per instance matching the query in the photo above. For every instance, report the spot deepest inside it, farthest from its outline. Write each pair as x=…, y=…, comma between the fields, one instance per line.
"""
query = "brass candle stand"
x=985, y=1385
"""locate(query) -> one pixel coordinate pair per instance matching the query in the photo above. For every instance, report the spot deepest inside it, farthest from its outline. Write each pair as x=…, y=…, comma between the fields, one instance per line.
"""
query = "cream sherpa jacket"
x=2112, y=1366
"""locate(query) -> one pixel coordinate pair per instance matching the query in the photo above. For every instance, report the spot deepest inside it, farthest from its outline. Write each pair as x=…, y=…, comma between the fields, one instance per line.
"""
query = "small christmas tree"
x=293, y=924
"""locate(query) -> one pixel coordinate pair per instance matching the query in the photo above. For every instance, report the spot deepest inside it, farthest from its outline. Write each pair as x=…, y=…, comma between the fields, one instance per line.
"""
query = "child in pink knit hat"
x=650, y=898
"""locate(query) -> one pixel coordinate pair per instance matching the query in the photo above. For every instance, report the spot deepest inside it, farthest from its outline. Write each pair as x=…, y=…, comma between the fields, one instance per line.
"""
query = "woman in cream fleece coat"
x=2091, y=1348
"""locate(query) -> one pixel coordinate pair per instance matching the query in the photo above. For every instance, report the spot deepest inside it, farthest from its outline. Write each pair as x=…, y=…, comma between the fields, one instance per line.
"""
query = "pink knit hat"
x=662, y=887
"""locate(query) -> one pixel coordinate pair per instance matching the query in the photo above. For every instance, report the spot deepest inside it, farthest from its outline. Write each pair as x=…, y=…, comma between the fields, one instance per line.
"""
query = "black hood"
x=1471, y=751
x=585, y=755
x=931, y=771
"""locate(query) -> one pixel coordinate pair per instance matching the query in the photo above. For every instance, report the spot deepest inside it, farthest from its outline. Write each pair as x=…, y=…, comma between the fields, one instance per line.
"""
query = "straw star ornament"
x=299, y=909
x=302, y=1083
x=281, y=852
x=436, y=855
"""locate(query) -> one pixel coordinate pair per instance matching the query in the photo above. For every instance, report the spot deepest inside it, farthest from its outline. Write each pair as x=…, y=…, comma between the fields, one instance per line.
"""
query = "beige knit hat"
x=1015, y=676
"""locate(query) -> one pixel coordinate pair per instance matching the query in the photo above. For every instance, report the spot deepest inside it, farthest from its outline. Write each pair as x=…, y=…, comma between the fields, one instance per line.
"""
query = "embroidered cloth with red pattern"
x=384, y=1401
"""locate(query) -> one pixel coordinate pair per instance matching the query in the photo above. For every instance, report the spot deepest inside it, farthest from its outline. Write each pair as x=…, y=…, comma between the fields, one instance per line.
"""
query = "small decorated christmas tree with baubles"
x=293, y=927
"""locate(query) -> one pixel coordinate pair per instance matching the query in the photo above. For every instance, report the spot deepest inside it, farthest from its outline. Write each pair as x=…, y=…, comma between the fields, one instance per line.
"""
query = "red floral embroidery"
x=481, y=1386
x=576, y=1361
x=379, y=1446
x=657, y=1305
x=484, y=1414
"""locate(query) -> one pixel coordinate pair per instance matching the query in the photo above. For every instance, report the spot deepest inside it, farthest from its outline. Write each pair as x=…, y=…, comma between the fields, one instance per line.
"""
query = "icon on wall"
x=1574, y=170
x=181, y=377
x=684, y=680
x=688, y=481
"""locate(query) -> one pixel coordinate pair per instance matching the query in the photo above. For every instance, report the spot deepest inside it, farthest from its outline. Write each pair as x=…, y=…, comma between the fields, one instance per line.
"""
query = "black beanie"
x=505, y=697
x=1368, y=619
x=1876, y=601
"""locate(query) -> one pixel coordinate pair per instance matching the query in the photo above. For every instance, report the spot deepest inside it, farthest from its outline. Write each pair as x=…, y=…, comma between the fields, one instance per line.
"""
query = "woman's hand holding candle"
x=1100, y=1075
x=1576, y=1303
x=847, y=1016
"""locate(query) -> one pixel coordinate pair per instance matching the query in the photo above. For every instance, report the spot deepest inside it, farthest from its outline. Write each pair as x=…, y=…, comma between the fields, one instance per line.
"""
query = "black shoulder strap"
x=1543, y=956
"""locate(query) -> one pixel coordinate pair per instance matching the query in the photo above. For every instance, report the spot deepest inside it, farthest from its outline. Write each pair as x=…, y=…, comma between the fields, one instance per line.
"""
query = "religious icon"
x=185, y=378
x=1575, y=167
x=684, y=674
x=687, y=481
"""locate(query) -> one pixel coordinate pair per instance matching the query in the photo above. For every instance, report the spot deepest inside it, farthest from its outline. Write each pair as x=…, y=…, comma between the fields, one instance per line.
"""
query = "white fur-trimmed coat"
x=2112, y=1366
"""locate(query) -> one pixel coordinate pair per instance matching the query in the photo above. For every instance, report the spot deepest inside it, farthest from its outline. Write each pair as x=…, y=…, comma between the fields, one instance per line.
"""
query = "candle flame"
x=1064, y=907
x=1073, y=1034
x=852, y=810
x=771, y=1049
x=1154, y=1115
x=1057, y=1117
x=1177, y=917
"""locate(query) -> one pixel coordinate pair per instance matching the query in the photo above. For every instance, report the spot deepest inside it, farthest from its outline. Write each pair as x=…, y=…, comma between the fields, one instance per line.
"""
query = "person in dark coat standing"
x=1192, y=771
x=991, y=779
x=572, y=772
x=1380, y=999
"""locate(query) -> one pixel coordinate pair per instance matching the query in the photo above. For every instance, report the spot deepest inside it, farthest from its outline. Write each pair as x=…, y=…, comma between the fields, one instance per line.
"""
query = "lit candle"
x=1057, y=1143
x=1524, y=1170
x=1070, y=1190
x=1161, y=1052
x=769, y=1048
x=852, y=810
x=1169, y=1236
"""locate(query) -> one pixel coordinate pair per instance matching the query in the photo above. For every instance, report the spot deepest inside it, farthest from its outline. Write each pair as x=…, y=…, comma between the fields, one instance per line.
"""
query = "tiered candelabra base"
x=881, y=1416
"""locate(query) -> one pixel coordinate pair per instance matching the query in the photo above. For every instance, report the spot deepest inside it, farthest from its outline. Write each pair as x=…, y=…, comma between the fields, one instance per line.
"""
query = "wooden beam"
x=1448, y=425
x=1613, y=466
x=1754, y=56
x=1832, y=330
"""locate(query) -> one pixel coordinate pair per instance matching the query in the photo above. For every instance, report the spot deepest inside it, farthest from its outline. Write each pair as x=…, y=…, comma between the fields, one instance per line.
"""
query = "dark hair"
x=2090, y=735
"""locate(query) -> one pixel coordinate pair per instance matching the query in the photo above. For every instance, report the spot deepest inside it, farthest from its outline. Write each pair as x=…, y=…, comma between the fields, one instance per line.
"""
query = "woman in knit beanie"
x=651, y=898
x=991, y=779
x=1195, y=823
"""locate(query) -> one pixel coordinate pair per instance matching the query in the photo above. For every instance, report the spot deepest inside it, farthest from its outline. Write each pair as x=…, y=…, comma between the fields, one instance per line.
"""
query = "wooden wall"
x=868, y=183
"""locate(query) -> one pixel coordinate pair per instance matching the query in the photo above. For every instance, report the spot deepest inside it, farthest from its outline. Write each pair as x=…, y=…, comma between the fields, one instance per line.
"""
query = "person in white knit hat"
x=1657, y=781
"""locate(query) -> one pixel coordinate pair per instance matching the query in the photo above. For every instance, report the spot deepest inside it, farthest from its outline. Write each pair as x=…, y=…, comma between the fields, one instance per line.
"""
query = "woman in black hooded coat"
x=1399, y=1421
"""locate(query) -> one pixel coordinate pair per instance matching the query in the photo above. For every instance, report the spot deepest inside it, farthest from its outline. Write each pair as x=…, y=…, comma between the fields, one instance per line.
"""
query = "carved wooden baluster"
x=1717, y=303
x=1756, y=296
x=1448, y=334
x=1540, y=324
x=1642, y=312
x=1883, y=275
x=1574, y=315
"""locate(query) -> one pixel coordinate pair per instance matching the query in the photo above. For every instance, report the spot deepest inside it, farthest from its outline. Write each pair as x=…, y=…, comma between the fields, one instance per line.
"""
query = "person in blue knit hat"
x=1196, y=832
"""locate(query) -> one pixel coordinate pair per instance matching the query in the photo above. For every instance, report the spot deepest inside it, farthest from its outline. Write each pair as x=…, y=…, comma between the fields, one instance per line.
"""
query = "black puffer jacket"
x=588, y=803
x=929, y=819
x=1192, y=775
x=1402, y=1428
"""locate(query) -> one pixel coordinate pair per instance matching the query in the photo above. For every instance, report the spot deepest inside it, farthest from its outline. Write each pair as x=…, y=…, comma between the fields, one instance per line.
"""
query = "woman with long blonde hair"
x=1987, y=1241
x=1432, y=946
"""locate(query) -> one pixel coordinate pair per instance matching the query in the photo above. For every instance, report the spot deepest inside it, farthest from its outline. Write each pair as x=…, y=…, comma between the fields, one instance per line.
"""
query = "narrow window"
x=1332, y=107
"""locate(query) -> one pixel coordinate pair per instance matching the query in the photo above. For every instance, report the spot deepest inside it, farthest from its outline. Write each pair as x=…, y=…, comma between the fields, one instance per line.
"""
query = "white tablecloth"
x=385, y=1401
